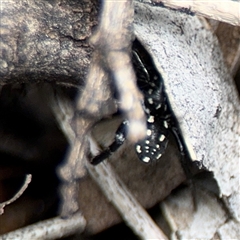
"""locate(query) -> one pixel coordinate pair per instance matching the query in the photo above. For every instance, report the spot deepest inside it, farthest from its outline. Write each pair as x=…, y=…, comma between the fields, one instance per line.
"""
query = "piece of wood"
x=46, y=41
x=112, y=42
x=222, y=10
x=200, y=90
x=49, y=229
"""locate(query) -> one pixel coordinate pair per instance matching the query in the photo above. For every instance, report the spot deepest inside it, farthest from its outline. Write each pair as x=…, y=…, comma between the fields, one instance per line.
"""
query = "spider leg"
x=120, y=137
x=177, y=136
x=184, y=156
x=185, y=166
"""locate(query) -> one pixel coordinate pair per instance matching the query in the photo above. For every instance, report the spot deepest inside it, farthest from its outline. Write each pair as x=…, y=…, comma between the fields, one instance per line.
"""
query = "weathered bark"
x=201, y=93
x=46, y=41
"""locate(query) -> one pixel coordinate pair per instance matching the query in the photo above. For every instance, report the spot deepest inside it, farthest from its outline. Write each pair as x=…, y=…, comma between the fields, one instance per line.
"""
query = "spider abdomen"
x=153, y=146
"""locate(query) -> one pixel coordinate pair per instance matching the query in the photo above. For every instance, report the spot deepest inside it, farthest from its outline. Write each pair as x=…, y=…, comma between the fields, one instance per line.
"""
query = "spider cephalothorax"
x=158, y=116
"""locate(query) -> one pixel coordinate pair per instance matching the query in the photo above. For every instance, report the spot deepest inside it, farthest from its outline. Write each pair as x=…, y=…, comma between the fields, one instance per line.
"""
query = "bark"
x=202, y=96
x=46, y=41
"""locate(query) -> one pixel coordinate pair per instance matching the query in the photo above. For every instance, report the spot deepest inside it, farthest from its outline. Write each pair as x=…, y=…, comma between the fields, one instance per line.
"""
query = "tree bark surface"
x=46, y=40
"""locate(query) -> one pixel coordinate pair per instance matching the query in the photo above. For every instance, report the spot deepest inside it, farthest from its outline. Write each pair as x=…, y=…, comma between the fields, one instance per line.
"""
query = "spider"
x=160, y=121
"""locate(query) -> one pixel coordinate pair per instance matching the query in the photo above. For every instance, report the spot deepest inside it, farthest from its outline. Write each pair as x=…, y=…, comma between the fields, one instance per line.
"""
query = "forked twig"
x=18, y=194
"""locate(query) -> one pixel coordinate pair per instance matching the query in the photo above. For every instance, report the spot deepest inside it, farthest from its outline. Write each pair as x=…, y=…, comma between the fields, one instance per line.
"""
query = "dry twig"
x=73, y=168
x=112, y=42
x=131, y=211
x=50, y=229
x=18, y=194
x=225, y=11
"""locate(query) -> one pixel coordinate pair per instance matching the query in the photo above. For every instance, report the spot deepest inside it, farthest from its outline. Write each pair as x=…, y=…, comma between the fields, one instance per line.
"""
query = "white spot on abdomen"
x=151, y=119
x=149, y=132
x=161, y=138
x=150, y=100
x=146, y=159
x=165, y=124
x=150, y=91
x=138, y=149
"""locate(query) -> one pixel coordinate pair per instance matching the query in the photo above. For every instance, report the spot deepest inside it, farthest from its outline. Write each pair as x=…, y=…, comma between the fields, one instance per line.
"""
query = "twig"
x=50, y=229
x=96, y=99
x=112, y=42
x=73, y=168
x=225, y=11
x=18, y=194
x=131, y=211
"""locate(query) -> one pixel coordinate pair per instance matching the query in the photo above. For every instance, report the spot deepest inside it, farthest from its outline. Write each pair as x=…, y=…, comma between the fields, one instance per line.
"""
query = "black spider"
x=159, y=118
